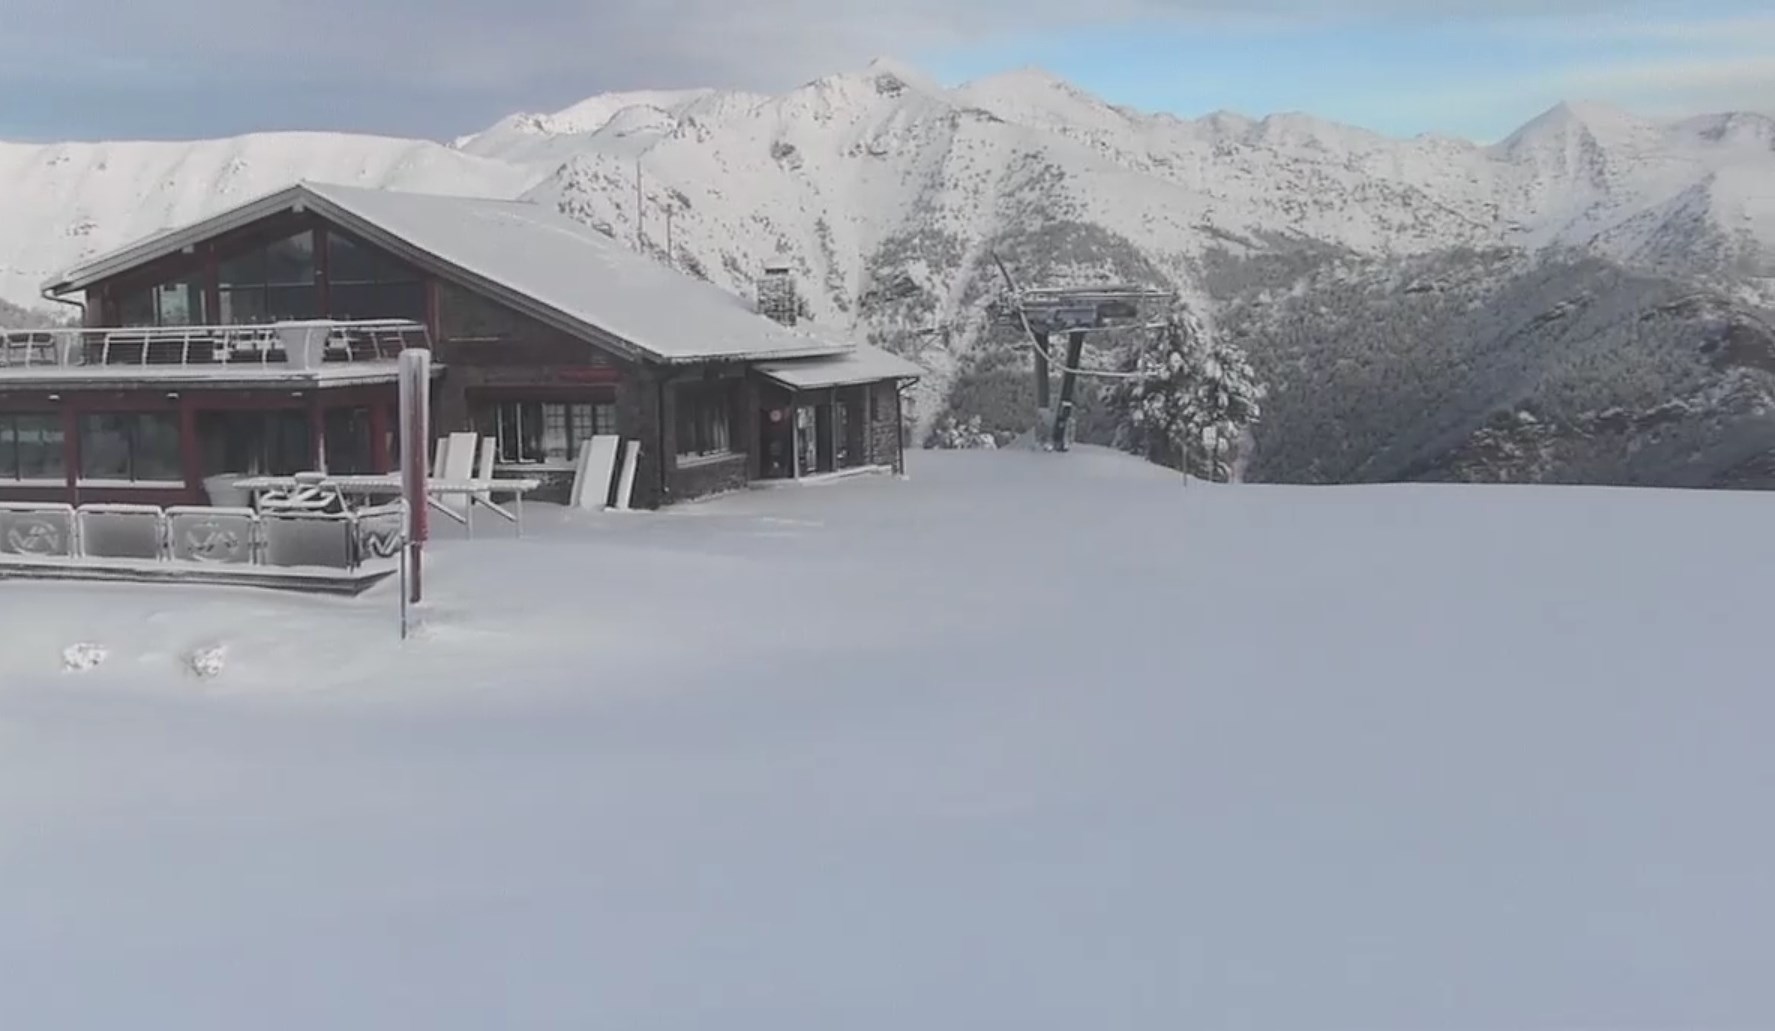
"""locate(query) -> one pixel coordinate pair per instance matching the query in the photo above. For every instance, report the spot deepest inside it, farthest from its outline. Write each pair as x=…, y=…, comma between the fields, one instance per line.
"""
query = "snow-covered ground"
x=1028, y=741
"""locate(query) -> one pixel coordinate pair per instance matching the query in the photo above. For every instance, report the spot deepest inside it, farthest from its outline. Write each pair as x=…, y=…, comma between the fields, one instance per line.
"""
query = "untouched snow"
x=1028, y=741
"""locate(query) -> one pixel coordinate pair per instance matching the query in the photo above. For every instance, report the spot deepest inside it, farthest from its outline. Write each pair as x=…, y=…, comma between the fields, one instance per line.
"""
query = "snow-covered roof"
x=534, y=258
x=861, y=364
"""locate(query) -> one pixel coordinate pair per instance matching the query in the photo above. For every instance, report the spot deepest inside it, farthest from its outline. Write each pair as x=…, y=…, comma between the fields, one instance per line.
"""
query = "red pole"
x=415, y=461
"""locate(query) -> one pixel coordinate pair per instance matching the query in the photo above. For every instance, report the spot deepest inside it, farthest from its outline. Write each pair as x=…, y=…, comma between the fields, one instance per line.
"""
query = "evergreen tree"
x=1193, y=401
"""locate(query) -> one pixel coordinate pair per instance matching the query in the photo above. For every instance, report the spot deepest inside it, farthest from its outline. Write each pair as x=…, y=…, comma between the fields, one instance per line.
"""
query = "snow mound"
x=78, y=658
x=208, y=663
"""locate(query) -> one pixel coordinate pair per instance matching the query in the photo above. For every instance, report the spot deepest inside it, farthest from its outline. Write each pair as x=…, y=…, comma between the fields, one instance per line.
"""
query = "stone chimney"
x=776, y=294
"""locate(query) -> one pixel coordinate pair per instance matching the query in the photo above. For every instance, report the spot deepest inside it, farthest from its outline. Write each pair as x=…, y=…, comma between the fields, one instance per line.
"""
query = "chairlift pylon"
x=1074, y=311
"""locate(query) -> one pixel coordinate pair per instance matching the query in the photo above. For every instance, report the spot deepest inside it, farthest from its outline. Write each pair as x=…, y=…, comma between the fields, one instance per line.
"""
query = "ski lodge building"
x=263, y=341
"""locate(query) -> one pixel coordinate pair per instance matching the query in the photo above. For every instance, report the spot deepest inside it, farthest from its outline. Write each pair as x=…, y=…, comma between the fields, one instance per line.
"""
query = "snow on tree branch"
x=1195, y=402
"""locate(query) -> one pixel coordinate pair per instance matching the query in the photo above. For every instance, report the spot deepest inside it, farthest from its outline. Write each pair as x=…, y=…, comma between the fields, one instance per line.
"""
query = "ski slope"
x=1026, y=741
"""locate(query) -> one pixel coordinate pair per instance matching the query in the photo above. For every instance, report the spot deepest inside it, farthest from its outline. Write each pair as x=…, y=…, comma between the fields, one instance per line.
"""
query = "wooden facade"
x=538, y=389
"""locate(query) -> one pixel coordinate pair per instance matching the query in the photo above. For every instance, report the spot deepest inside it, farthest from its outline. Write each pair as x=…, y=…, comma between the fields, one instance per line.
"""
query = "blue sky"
x=1473, y=76
x=95, y=69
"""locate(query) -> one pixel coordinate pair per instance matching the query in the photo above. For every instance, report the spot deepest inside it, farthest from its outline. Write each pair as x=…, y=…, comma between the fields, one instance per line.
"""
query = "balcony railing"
x=290, y=346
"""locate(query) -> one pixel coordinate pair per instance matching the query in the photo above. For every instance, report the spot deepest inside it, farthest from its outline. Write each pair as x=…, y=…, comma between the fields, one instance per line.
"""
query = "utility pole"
x=640, y=237
x=669, y=260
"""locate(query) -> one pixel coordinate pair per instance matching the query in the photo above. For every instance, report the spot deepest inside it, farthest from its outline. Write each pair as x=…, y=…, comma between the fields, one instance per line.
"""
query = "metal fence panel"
x=216, y=536
x=308, y=539
x=122, y=531
x=381, y=532
x=37, y=531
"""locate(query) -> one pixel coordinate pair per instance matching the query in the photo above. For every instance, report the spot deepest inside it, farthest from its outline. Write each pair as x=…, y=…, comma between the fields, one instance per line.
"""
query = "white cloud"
x=445, y=66
x=1678, y=85
x=1729, y=30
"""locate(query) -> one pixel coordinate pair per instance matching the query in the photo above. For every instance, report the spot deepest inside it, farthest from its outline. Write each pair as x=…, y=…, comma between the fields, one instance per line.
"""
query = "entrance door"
x=823, y=432
x=776, y=459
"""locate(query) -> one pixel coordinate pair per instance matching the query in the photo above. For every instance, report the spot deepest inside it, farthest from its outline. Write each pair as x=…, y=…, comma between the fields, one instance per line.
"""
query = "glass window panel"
x=39, y=447
x=354, y=261
x=136, y=308
x=715, y=415
x=154, y=448
x=349, y=261
x=378, y=301
x=291, y=302
x=225, y=443
x=244, y=269
x=703, y=419
x=586, y=421
x=9, y=461
x=180, y=303
x=520, y=431
x=505, y=430
x=466, y=315
x=287, y=445
x=290, y=261
x=104, y=447
x=555, y=441
x=530, y=430
x=242, y=306
x=348, y=441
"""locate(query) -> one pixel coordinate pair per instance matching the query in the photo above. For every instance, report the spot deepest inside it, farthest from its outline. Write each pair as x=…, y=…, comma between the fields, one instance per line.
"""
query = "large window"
x=704, y=418
x=546, y=432
x=347, y=435
x=31, y=447
x=269, y=283
x=255, y=443
x=176, y=303
x=130, y=446
x=466, y=315
x=364, y=282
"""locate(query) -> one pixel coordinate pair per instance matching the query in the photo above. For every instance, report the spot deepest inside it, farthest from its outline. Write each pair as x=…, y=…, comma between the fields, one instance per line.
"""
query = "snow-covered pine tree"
x=1193, y=401
x=1229, y=400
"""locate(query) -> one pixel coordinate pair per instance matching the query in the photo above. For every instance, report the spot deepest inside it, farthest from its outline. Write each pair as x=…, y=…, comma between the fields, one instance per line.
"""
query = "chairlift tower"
x=1046, y=312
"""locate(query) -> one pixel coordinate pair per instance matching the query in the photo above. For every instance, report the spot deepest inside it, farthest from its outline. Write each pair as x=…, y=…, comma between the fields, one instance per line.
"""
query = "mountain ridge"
x=1508, y=190
x=887, y=192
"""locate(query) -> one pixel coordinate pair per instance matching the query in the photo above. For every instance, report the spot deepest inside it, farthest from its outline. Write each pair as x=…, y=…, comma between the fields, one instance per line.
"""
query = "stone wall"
x=709, y=476
x=886, y=436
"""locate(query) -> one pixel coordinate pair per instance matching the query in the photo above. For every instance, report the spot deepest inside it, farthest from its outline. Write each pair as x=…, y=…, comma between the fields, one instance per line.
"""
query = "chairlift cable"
x=1035, y=341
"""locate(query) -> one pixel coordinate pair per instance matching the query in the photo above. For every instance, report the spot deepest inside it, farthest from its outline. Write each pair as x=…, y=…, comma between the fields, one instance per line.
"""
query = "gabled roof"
x=861, y=364
x=539, y=261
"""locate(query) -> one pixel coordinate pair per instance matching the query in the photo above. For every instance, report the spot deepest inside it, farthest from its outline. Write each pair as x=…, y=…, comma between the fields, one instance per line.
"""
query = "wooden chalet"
x=263, y=340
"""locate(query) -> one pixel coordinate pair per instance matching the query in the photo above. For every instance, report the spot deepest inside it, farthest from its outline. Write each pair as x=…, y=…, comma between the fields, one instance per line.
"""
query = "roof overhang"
x=860, y=364
x=172, y=241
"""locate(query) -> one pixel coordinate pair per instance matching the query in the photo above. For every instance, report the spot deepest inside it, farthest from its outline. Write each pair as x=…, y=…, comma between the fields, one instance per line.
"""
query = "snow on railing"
x=290, y=345
x=201, y=536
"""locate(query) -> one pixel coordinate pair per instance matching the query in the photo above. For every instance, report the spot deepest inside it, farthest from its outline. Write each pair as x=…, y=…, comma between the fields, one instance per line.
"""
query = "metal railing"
x=283, y=345
x=195, y=536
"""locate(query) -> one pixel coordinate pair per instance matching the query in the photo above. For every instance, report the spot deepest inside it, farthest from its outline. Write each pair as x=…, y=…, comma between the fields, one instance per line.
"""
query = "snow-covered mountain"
x=850, y=170
x=887, y=190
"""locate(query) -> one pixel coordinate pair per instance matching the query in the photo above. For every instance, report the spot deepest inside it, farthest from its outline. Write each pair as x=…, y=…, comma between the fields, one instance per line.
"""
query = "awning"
x=861, y=364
